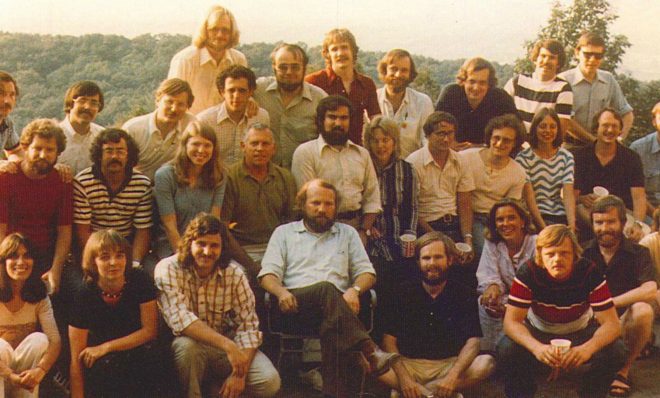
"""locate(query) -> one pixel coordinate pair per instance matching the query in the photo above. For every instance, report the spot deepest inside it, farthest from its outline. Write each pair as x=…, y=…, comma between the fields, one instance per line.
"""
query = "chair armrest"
x=268, y=300
x=373, y=297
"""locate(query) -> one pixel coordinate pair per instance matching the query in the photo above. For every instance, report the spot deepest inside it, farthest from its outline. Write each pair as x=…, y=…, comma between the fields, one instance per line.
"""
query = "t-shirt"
x=36, y=208
x=106, y=322
x=531, y=94
x=560, y=307
x=32, y=317
x=433, y=328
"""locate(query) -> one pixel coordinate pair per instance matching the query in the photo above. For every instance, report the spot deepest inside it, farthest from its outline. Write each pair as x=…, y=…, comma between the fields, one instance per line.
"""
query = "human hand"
x=547, y=355
x=16, y=379
x=352, y=298
x=65, y=172
x=587, y=200
x=445, y=387
x=252, y=108
x=575, y=357
x=90, y=354
x=9, y=167
x=410, y=389
x=491, y=300
x=232, y=387
x=52, y=280
x=238, y=360
x=634, y=232
x=31, y=378
x=459, y=146
x=288, y=303
x=375, y=233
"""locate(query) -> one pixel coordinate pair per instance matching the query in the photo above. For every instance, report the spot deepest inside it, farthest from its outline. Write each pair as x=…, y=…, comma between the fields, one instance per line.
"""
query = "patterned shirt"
x=548, y=176
x=223, y=301
x=531, y=94
x=124, y=210
x=229, y=133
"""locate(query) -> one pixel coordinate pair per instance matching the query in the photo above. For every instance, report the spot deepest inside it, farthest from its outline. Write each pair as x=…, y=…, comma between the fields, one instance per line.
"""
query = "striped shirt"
x=530, y=95
x=548, y=177
x=223, y=301
x=94, y=204
x=560, y=307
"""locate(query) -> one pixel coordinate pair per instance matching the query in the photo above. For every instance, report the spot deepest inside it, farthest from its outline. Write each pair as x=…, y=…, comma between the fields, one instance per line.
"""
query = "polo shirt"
x=472, y=122
x=199, y=69
x=76, y=154
x=618, y=176
x=415, y=108
x=258, y=207
x=229, y=133
x=362, y=96
x=438, y=186
x=291, y=125
x=428, y=328
x=589, y=98
x=630, y=266
x=648, y=149
x=154, y=149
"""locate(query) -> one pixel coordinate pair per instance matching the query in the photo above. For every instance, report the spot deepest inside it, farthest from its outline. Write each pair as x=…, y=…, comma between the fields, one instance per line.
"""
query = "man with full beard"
x=317, y=268
x=435, y=327
x=344, y=164
x=631, y=277
x=36, y=202
x=409, y=108
x=290, y=101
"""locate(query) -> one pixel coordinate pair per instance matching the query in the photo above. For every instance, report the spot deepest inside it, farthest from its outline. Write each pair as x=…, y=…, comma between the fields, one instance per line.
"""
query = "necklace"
x=113, y=296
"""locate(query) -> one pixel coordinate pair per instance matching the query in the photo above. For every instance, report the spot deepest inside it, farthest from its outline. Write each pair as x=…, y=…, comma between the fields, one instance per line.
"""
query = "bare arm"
x=516, y=330
x=530, y=201
x=406, y=384
x=608, y=331
x=169, y=225
x=568, y=194
x=286, y=300
x=14, y=155
x=141, y=243
x=469, y=351
x=83, y=232
x=643, y=293
x=3, y=232
x=62, y=247
x=200, y=331
x=573, y=128
x=639, y=202
x=78, y=342
x=464, y=205
x=628, y=120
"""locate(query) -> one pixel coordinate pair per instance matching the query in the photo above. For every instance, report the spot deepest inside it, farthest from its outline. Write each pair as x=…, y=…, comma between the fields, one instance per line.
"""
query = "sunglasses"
x=593, y=55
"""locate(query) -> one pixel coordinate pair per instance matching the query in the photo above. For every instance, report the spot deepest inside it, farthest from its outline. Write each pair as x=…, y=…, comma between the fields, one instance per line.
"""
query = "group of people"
x=317, y=188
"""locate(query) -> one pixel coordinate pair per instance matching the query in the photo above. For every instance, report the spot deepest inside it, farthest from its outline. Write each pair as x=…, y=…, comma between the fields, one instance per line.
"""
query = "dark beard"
x=41, y=167
x=289, y=87
x=437, y=281
x=611, y=243
x=336, y=136
x=317, y=225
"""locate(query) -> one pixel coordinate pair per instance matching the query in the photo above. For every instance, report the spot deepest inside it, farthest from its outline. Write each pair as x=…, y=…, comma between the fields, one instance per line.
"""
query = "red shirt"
x=363, y=96
x=36, y=208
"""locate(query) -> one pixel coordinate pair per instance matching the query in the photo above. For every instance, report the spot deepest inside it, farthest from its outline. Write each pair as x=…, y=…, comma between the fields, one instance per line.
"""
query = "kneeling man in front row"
x=435, y=328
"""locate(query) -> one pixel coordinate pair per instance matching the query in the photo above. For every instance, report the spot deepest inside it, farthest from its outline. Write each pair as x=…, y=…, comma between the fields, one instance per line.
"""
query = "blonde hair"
x=199, y=40
x=552, y=236
x=336, y=36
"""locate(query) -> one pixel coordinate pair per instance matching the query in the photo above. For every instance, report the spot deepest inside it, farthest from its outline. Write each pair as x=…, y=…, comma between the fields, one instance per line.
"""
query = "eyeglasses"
x=291, y=67
x=443, y=134
x=118, y=151
x=593, y=55
x=504, y=140
x=82, y=101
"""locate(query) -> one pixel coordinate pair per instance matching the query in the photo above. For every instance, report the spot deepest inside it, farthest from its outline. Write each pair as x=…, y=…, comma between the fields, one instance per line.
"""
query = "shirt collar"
x=626, y=246
x=205, y=57
x=243, y=172
x=322, y=145
x=223, y=114
x=306, y=92
x=332, y=76
x=600, y=76
x=299, y=226
x=428, y=158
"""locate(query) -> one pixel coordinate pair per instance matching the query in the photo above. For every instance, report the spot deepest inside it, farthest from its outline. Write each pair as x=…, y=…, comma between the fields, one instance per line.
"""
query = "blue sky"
x=443, y=29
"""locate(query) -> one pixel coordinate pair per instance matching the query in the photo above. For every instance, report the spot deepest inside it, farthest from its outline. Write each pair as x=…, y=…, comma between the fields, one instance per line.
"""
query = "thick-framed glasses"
x=82, y=101
x=288, y=67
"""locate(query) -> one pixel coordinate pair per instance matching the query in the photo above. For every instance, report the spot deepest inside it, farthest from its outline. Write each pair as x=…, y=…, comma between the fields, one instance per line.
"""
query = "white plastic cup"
x=601, y=191
x=408, y=245
x=561, y=346
x=464, y=248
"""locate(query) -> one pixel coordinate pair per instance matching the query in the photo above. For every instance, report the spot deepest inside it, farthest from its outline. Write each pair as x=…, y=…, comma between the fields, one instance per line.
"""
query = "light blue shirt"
x=590, y=97
x=648, y=149
x=496, y=267
x=300, y=258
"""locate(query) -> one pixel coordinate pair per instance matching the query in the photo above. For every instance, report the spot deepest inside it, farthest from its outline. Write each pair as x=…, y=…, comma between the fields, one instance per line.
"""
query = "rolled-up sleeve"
x=171, y=300
x=371, y=198
x=247, y=333
x=273, y=261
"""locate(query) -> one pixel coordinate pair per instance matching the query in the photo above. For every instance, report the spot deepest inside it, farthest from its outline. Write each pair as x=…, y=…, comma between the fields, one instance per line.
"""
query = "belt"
x=349, y=215
x=447, y=218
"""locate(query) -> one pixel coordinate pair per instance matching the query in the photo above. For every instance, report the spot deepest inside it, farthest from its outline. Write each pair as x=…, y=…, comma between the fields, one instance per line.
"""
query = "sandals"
x=622, y=388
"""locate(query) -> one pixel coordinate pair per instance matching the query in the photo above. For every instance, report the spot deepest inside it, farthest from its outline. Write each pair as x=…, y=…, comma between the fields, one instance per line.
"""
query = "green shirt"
x=258, y=207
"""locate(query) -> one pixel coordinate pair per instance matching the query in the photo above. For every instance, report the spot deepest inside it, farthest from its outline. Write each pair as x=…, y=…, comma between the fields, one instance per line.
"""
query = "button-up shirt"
x=438, y=186
x=362, y=96
x=154, y=149
x=9, y=139
x=199, y=69
x=301, y=258
x=648, y=149
x=223, y=301
x=229, y=133
x=292, y=124
x=350, y=169
x=410, y=117
x=496, y=267
x=590, y=97
x=76, y=155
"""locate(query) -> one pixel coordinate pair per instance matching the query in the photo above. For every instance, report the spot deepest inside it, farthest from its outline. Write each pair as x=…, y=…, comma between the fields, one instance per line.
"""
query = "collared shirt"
x=95, y=205
x=410, y=116
x=301, y=258
x=223, y=301
x=362, y=96
x=76, y=154
x=229, y=133
x=294, y=124
x=629, y=267
x=9, y=139
x=496, y=267
x=438, y=186
x=648, y=149
x=350, y=170
x=590, y=97
x=258, y=207
x=199, y=69
x=472, y=122
x=531, y=94
x=154, y=149
x=618, y=176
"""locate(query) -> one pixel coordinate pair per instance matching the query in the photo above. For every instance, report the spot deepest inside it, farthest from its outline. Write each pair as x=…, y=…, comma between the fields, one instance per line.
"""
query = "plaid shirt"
x=223, y=300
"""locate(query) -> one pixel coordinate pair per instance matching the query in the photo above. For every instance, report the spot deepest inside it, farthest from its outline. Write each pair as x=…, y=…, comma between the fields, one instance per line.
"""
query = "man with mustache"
x=9, y=140
x=630, y=275
x=230, y=119
x=157, y=133
x=111, y=194
x=340, y=77
x=36, y=202
x=408, y=107
x=337, y=159
x=290, y=101
x=318, y=268
x=83, y=101
x=435, y=327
